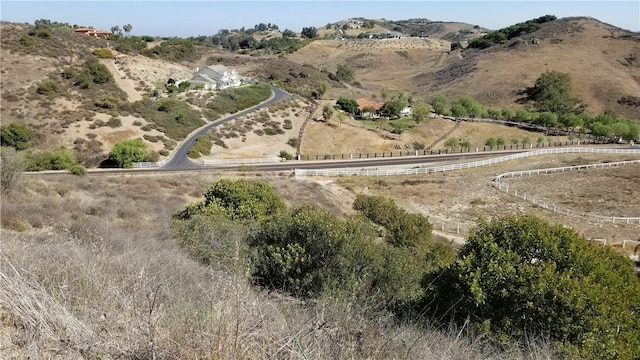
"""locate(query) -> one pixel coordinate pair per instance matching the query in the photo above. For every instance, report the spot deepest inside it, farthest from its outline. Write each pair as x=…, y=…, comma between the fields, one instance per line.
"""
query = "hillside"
x=603, y=62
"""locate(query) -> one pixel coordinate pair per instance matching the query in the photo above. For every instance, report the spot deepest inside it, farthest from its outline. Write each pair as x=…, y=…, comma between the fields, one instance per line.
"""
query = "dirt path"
x=122, y=81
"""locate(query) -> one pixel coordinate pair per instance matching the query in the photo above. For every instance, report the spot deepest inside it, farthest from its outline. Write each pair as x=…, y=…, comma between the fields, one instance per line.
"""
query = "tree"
x=520, y=275
x=11, y=168
x=16, y=134
x=393, y=107
x=439, y=103
x=452, y=143
x=309, y=32
x=321, y=89
x=420, y=111
x=125, y=153
x=327, y=112
x=491, y=142
x=347, y=105
x=500, y=141
x=507, y=113
x=466, y=144
x=287, y=33
x=552, y=92
x=127, y=28
x=526, y=140
x=345, y=73
x=458, y=110
x=115, y=30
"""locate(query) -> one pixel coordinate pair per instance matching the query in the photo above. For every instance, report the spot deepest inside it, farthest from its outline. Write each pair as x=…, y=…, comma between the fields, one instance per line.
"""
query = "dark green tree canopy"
x=309, y=32
x=552, y=93
x=521, y=275
x=17, y=135
x=347, y=105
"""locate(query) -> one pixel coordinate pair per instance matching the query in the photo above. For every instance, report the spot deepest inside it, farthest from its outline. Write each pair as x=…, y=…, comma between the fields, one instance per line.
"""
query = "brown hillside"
x=603, y=61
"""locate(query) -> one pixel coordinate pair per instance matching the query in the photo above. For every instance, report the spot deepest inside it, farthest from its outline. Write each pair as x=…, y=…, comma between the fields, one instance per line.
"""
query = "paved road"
x=180, y=160
x=291, y=165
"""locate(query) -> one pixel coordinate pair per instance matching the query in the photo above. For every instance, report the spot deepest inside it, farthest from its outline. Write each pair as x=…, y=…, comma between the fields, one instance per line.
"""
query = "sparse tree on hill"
x=451, y=143
x=288, y=33
x=321, y=89
x=327, y=112
x=345, y=73
x=420, y=111
x=491, y=142
x=552, y=92
x=127, y=28
x=439, y=103
x=309, y=32
x=115, y=30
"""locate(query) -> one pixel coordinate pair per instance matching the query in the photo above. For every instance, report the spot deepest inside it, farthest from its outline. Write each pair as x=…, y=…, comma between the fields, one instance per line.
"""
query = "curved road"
x=180, y=161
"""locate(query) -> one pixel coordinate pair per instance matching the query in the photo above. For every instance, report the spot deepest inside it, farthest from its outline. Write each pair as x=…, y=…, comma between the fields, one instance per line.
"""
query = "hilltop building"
x=94, y=32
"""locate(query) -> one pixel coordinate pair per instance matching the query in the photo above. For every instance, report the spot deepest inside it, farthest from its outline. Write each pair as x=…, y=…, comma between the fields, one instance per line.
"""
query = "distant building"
x=94, y=32
x=215, y=77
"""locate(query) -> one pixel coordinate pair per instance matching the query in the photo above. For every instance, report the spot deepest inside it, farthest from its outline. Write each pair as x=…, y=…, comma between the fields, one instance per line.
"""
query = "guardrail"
x=148, y=164
x=221, y=162
x=386, y=154
x=444, y=168
x=548, y=205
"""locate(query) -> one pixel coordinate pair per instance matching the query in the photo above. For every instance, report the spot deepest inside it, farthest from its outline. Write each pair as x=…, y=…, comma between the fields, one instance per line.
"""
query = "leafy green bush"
x=47, y=87
x=78, y=170
x=36, y=160
x=103, y=53
x=125, y=153
x=519, y=276
x=285, y=155
x=28, y=41
x=16, y=134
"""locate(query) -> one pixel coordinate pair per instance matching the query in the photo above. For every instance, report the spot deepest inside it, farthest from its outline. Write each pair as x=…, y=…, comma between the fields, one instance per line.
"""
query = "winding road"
x=179, y=159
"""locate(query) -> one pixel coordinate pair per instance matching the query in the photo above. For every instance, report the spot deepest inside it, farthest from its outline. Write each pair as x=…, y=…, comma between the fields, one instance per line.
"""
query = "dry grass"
x=461, y=197
x=96, y=273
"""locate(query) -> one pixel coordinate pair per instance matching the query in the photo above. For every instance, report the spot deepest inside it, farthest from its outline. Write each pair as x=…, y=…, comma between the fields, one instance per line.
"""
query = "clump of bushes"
x=103, y=53
x=47, y=87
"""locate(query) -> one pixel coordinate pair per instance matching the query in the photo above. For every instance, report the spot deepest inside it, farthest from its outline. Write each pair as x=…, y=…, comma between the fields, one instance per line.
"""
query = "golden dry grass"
x=461, y=197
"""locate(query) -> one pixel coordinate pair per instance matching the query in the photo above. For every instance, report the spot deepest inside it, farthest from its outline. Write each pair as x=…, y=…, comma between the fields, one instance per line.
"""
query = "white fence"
x=148, y=164
x=545, y=204
x=232, y=162
x=443, y=168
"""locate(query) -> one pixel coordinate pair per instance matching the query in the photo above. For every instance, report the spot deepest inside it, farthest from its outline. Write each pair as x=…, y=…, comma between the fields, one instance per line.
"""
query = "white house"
x=215, y=77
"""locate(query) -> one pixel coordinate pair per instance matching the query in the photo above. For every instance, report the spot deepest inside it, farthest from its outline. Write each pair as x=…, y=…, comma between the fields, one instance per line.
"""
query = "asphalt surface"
x=337, y=164
x=180, y=160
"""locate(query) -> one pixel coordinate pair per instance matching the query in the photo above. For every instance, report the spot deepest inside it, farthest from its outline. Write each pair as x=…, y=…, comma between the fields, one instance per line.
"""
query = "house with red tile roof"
x=365, y=106
x=94, y=32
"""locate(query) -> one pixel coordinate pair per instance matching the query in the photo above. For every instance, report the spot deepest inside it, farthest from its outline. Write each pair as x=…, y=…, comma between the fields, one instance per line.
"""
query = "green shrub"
x=78, y=170
x=125, y=153
x=103, y=53
x=520, y=276
x=17, y=135
x=108, y=101
x=285, y=155
x=47, y=87
x=28, y=41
